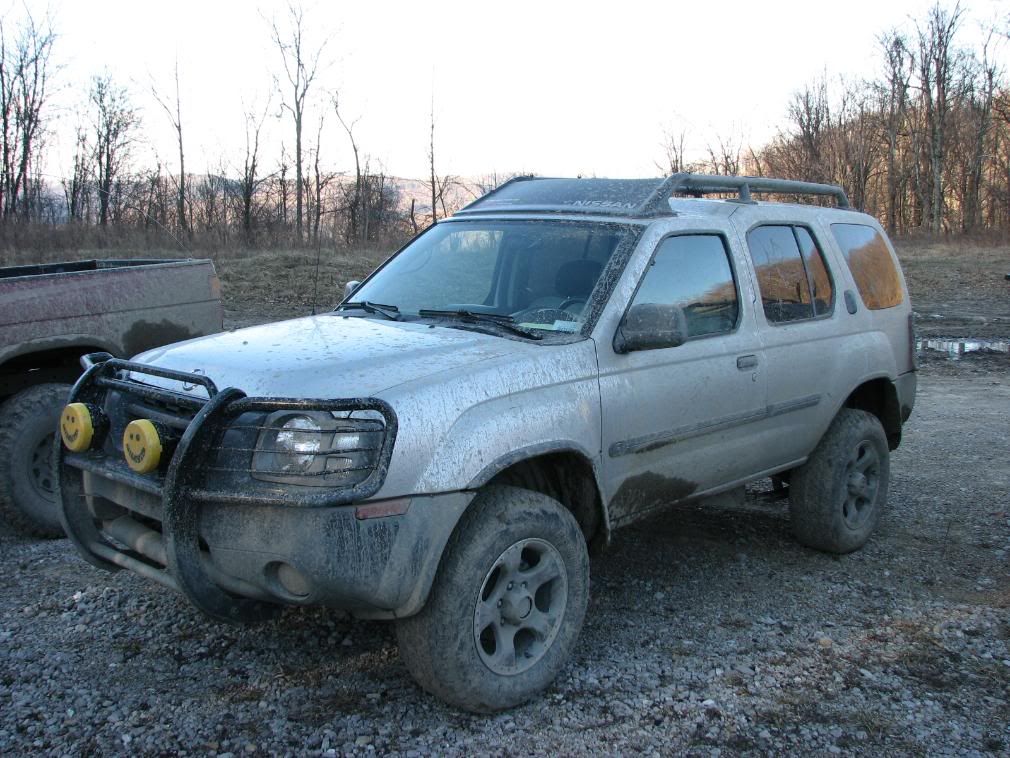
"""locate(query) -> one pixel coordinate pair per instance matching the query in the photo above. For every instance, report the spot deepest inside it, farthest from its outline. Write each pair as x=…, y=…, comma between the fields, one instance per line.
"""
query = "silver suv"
x=556, y=360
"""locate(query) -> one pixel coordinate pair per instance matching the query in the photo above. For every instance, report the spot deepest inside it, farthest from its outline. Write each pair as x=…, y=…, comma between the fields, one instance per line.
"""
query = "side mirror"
x=350, y=287
x=651, y=326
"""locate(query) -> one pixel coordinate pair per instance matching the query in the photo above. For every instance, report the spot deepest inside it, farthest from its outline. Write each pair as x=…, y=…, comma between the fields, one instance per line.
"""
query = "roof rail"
x=706, y=184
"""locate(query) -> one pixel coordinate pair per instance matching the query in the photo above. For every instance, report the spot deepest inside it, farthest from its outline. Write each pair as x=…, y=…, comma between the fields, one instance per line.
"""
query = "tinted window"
x=817, y=272
x=789, y=267
x=785, y=291
x=693, y=271
x=871, y=265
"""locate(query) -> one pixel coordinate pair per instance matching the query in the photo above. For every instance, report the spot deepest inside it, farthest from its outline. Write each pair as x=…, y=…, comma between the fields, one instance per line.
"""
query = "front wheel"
x=837, y=497
x=507, y=604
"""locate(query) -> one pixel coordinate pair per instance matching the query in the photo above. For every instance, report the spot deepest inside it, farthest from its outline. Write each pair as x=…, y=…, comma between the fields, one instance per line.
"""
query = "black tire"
x=453, y=646
x=28, y=423
x=837, y=497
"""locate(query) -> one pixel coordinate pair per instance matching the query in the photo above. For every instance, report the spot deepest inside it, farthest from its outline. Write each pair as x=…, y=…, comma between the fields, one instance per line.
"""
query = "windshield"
x=539, y=274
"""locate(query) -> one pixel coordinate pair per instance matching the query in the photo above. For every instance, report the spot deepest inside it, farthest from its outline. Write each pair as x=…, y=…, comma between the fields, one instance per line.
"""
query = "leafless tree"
x=936, y=58
x=250, y=180
x=115, y=121
x=354, y=201
x=173, y=109
x=673, y=160
x=76, y=188
x=25, y=69
x=893, y=104
x=320, y=181
x=439, y=187
x=301, y=61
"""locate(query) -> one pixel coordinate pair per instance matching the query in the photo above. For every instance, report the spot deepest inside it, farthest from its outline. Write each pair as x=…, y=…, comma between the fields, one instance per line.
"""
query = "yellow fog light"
x=77, y=426
x=142, y=445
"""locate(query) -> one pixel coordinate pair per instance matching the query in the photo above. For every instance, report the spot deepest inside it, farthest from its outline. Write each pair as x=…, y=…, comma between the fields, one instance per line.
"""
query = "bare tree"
x=24, y=91
x=673, y=160
x=439, y=187
x=174, y=112
x=936, y=62
x=76, y=188
x=320, y=181
x=354, y=201
x=893, y=105
x=115, y=121
x=250, y=180
x=301, y=65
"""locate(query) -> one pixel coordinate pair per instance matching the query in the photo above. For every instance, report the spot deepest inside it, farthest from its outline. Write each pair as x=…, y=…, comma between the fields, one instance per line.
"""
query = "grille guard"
x=184, y=487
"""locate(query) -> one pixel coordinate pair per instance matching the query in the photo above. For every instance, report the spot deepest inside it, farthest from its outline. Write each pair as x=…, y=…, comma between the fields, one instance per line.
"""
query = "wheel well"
x=55, y=365
x=568, y=478
x=879, y=397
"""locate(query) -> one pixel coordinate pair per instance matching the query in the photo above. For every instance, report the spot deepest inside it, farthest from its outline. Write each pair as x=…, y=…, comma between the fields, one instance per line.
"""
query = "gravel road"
x=709, y=632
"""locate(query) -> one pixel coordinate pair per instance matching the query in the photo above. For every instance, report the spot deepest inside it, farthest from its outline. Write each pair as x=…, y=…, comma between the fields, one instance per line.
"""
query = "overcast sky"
x=550, y=87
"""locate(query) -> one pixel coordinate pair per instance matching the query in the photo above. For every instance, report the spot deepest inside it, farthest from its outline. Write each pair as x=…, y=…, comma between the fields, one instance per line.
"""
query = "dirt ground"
x=710, y=630
x=959, y=288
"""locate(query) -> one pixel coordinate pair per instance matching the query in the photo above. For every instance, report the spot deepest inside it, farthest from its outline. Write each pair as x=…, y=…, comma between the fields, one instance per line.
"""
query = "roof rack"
x=631, y=198
x=698, y=185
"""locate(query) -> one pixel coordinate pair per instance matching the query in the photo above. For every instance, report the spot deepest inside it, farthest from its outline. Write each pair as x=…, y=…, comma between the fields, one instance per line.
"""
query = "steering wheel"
x=566, y=304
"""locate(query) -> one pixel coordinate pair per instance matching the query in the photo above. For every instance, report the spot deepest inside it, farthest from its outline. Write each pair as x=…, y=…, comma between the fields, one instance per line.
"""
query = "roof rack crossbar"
x=704, y=184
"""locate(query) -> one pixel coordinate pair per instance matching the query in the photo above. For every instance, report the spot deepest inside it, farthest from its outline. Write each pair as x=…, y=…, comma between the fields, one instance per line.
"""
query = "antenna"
x=315, y=279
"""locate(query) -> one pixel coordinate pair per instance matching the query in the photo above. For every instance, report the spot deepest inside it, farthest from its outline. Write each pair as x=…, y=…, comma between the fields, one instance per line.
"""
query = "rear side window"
x=793, y=279
x=871, y=265
x=693, y=271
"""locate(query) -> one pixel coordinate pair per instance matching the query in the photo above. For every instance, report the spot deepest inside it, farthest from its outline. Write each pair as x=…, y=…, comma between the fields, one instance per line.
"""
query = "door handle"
x=745, y=362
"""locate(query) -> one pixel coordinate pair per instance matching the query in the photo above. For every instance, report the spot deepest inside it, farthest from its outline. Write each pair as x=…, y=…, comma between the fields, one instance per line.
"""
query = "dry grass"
x=957, y=276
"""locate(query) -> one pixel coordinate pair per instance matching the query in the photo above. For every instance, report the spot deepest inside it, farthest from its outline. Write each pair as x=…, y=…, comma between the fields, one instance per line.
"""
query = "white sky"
x=550, y=87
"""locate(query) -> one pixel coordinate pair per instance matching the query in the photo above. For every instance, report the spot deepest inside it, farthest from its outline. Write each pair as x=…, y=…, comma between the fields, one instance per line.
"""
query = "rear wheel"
x=837, y=497
x=28, y=423
x=507, y=604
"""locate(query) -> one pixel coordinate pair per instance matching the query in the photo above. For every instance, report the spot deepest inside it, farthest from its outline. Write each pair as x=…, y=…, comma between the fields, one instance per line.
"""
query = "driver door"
x=681, y=420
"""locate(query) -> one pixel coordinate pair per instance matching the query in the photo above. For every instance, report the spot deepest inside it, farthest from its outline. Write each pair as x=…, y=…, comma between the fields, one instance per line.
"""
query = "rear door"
x=801, y=338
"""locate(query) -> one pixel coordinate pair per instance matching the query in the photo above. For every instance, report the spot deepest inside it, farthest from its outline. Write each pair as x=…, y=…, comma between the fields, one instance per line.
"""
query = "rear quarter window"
x=871, y=265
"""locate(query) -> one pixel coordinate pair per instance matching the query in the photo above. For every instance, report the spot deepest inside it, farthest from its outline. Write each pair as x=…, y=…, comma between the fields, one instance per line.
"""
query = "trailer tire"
x=28, y=483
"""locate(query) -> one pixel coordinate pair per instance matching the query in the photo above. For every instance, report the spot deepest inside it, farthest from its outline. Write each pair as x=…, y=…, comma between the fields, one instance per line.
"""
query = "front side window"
x=871, y=265
x=539, y=273
x=693, y=271
x=791, y=273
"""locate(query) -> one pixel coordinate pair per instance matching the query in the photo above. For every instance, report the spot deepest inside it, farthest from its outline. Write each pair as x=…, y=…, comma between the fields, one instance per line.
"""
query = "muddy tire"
x=837, y=497
x=28, y=422
x=507, y=604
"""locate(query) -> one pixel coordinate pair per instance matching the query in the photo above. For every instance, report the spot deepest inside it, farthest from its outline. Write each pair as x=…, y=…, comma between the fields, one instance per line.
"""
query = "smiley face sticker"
x=142, y=446
x=77, y=427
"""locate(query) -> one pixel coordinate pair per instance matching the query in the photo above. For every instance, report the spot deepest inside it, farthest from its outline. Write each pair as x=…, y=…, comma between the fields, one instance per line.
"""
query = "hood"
x=327, y=356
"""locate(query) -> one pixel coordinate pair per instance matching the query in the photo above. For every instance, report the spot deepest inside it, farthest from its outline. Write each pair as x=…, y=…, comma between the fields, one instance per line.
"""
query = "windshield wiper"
x=498, y=319
x=389, y=311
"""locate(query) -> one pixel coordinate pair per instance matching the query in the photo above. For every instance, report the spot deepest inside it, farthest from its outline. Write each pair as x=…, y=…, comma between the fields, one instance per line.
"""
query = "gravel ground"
x=710, y=631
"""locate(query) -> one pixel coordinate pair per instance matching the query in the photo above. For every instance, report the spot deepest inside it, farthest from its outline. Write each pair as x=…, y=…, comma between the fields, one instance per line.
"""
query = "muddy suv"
x=556, y=360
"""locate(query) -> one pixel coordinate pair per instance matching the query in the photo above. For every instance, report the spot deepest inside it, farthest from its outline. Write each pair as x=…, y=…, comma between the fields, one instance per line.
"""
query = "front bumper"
x=237, y=554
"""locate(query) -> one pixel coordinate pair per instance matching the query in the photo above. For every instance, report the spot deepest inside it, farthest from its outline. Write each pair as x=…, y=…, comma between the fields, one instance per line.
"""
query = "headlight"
x=317, y=448
x=298, y=442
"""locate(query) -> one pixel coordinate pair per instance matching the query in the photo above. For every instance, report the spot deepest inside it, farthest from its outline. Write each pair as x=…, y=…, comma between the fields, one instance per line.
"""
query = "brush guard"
x=176, y=558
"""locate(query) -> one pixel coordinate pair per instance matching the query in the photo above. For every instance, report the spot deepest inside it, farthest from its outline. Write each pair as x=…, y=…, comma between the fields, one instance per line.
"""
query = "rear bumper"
x=237, y=552
x=905, y=386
